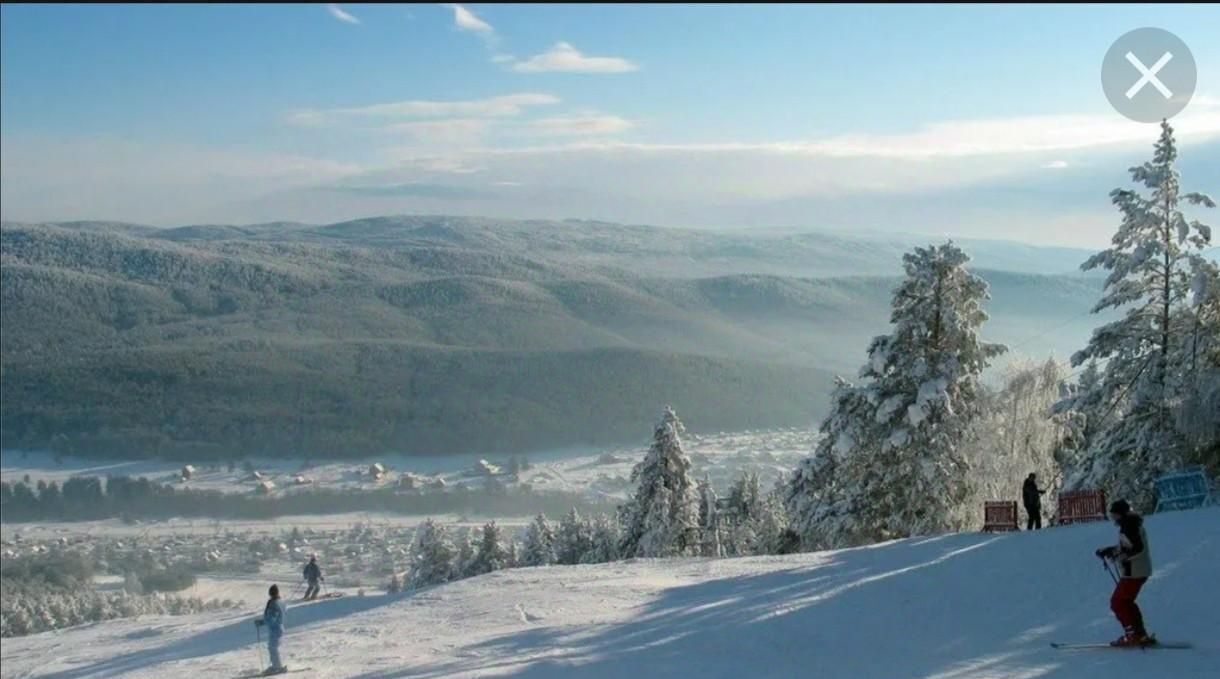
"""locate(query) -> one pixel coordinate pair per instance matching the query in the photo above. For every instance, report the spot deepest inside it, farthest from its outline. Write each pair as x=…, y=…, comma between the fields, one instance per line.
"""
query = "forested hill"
x=442, y=334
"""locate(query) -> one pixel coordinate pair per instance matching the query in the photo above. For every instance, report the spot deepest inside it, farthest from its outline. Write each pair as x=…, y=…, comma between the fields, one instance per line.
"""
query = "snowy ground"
x=949, y=607
x=606, y=472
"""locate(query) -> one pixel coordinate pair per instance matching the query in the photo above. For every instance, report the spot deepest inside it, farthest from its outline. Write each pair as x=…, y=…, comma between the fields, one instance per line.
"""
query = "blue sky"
x=973, y=120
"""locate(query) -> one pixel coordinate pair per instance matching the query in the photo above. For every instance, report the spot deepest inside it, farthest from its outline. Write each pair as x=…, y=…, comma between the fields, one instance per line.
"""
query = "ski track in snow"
x=965, y=606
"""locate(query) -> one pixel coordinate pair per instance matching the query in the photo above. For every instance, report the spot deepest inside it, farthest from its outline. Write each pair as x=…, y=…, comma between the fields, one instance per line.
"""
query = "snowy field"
x=605, y=473
x=950, y=607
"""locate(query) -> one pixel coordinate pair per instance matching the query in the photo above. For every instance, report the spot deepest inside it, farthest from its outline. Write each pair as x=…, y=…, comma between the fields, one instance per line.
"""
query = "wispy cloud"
x=1055, y=165
x=506, y=105
x=466, y=20
x=446, y=131
x=338, y=13
x=411, y=189
x=950, y=139
x=563, y=57
x=581, y=124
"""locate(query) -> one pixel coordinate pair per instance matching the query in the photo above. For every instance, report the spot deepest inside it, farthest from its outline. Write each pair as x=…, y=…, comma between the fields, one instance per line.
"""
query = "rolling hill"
x=446, y=334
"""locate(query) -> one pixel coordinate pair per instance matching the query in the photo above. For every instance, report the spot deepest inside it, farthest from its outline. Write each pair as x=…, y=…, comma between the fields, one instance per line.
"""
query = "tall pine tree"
x=1152, y=363
x=891, y=464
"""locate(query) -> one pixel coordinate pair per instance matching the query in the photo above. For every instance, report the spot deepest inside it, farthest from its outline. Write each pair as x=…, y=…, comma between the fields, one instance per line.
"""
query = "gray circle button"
x=1149, y=74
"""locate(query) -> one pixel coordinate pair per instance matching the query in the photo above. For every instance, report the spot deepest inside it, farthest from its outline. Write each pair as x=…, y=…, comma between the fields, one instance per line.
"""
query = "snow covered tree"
x=492, y=555
x=662, y=517
x=604, y=541
x=1158, y=278
x=771, y=529
x=744, y=505
x=465, y=553
x=573, y=539
x=514, y=554
x=821, y=499
x=895, y=467
x=539, y=546
x=433, y=555
x=709, y=520
x=1017, y=434
x=1199, y=414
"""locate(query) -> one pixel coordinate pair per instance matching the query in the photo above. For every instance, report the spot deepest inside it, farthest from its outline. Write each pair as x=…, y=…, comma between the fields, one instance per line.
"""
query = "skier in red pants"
x=1133, y=560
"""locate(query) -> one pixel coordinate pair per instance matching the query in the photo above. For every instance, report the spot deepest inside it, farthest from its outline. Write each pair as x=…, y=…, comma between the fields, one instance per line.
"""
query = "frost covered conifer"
x=1158, y=279
x=465, y=553
x=661, y=518
x=492, y=555
x=709, y=520
x=574, y=538
x=604, y=541
x=889, y=464
x=433, y=555
x=539, y=546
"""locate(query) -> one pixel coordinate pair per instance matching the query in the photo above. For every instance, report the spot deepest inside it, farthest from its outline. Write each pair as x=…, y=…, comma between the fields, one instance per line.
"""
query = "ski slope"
x=949, y=607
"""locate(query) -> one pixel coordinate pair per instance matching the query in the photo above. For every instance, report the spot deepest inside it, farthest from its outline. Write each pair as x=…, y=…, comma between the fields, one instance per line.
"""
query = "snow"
x=963, y=606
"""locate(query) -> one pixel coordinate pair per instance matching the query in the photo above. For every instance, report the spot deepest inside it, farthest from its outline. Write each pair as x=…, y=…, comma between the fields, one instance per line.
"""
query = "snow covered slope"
x=947, y=607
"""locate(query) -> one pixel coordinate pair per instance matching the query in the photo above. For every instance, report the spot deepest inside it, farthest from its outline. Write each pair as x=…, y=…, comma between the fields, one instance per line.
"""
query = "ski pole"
x=258, y=647
x=1106, y=565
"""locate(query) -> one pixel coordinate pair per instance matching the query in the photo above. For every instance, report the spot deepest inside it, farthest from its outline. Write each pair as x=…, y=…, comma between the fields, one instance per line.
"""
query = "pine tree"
x=745, y=502
x=896, y=468
x=492, y=555
x=432, y=555
x=539, y=546
x=1153, y=260
x=465, y=553
x=604, y=541
x=709, y=520
x=573, y=539
x=821, y=499
x=662, y=516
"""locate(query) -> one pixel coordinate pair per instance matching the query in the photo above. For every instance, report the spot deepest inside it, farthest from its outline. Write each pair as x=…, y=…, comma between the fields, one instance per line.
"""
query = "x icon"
x=1148, y=75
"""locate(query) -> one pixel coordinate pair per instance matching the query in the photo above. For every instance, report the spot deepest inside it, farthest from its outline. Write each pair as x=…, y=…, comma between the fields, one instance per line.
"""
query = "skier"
x=1134, y=563
x=313, y=574
x=1031, y=495
x=273, y=620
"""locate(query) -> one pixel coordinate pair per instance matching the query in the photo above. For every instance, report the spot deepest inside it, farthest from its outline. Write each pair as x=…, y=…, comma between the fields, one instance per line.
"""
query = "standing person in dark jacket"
x=313, y=575
x=1134, y=562
x=273, y=620
x=1031, y=496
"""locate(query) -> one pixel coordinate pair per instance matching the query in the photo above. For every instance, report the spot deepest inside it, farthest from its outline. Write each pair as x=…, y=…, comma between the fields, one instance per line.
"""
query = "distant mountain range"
x=446, y=334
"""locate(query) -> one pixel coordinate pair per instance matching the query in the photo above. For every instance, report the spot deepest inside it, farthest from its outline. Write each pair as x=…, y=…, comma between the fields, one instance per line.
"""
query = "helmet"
x=1119, y=507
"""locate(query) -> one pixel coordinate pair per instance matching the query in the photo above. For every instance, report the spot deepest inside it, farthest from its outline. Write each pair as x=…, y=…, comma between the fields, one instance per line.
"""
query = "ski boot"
x=1133, y=639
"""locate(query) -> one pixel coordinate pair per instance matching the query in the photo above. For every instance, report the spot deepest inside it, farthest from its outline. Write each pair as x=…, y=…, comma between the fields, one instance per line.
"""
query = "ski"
x=1149, y=647
x=330, y=595
x=292, y=670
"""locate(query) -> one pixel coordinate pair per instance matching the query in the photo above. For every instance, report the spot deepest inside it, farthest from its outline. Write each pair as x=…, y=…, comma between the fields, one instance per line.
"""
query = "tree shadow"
x=233, y=636
x=923, y=610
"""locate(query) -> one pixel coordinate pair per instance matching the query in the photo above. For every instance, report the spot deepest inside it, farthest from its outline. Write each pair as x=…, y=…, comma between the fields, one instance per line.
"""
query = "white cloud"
x=506, y=105
x=563, y=57
x=952, y=139
x=446, y=131
x=338, y=13
x=580, y=124
x=1055, y=165
x=48, y=178
x=466, y=20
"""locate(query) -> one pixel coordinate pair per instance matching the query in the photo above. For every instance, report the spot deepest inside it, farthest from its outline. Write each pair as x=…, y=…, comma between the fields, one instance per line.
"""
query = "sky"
x=979, y=121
